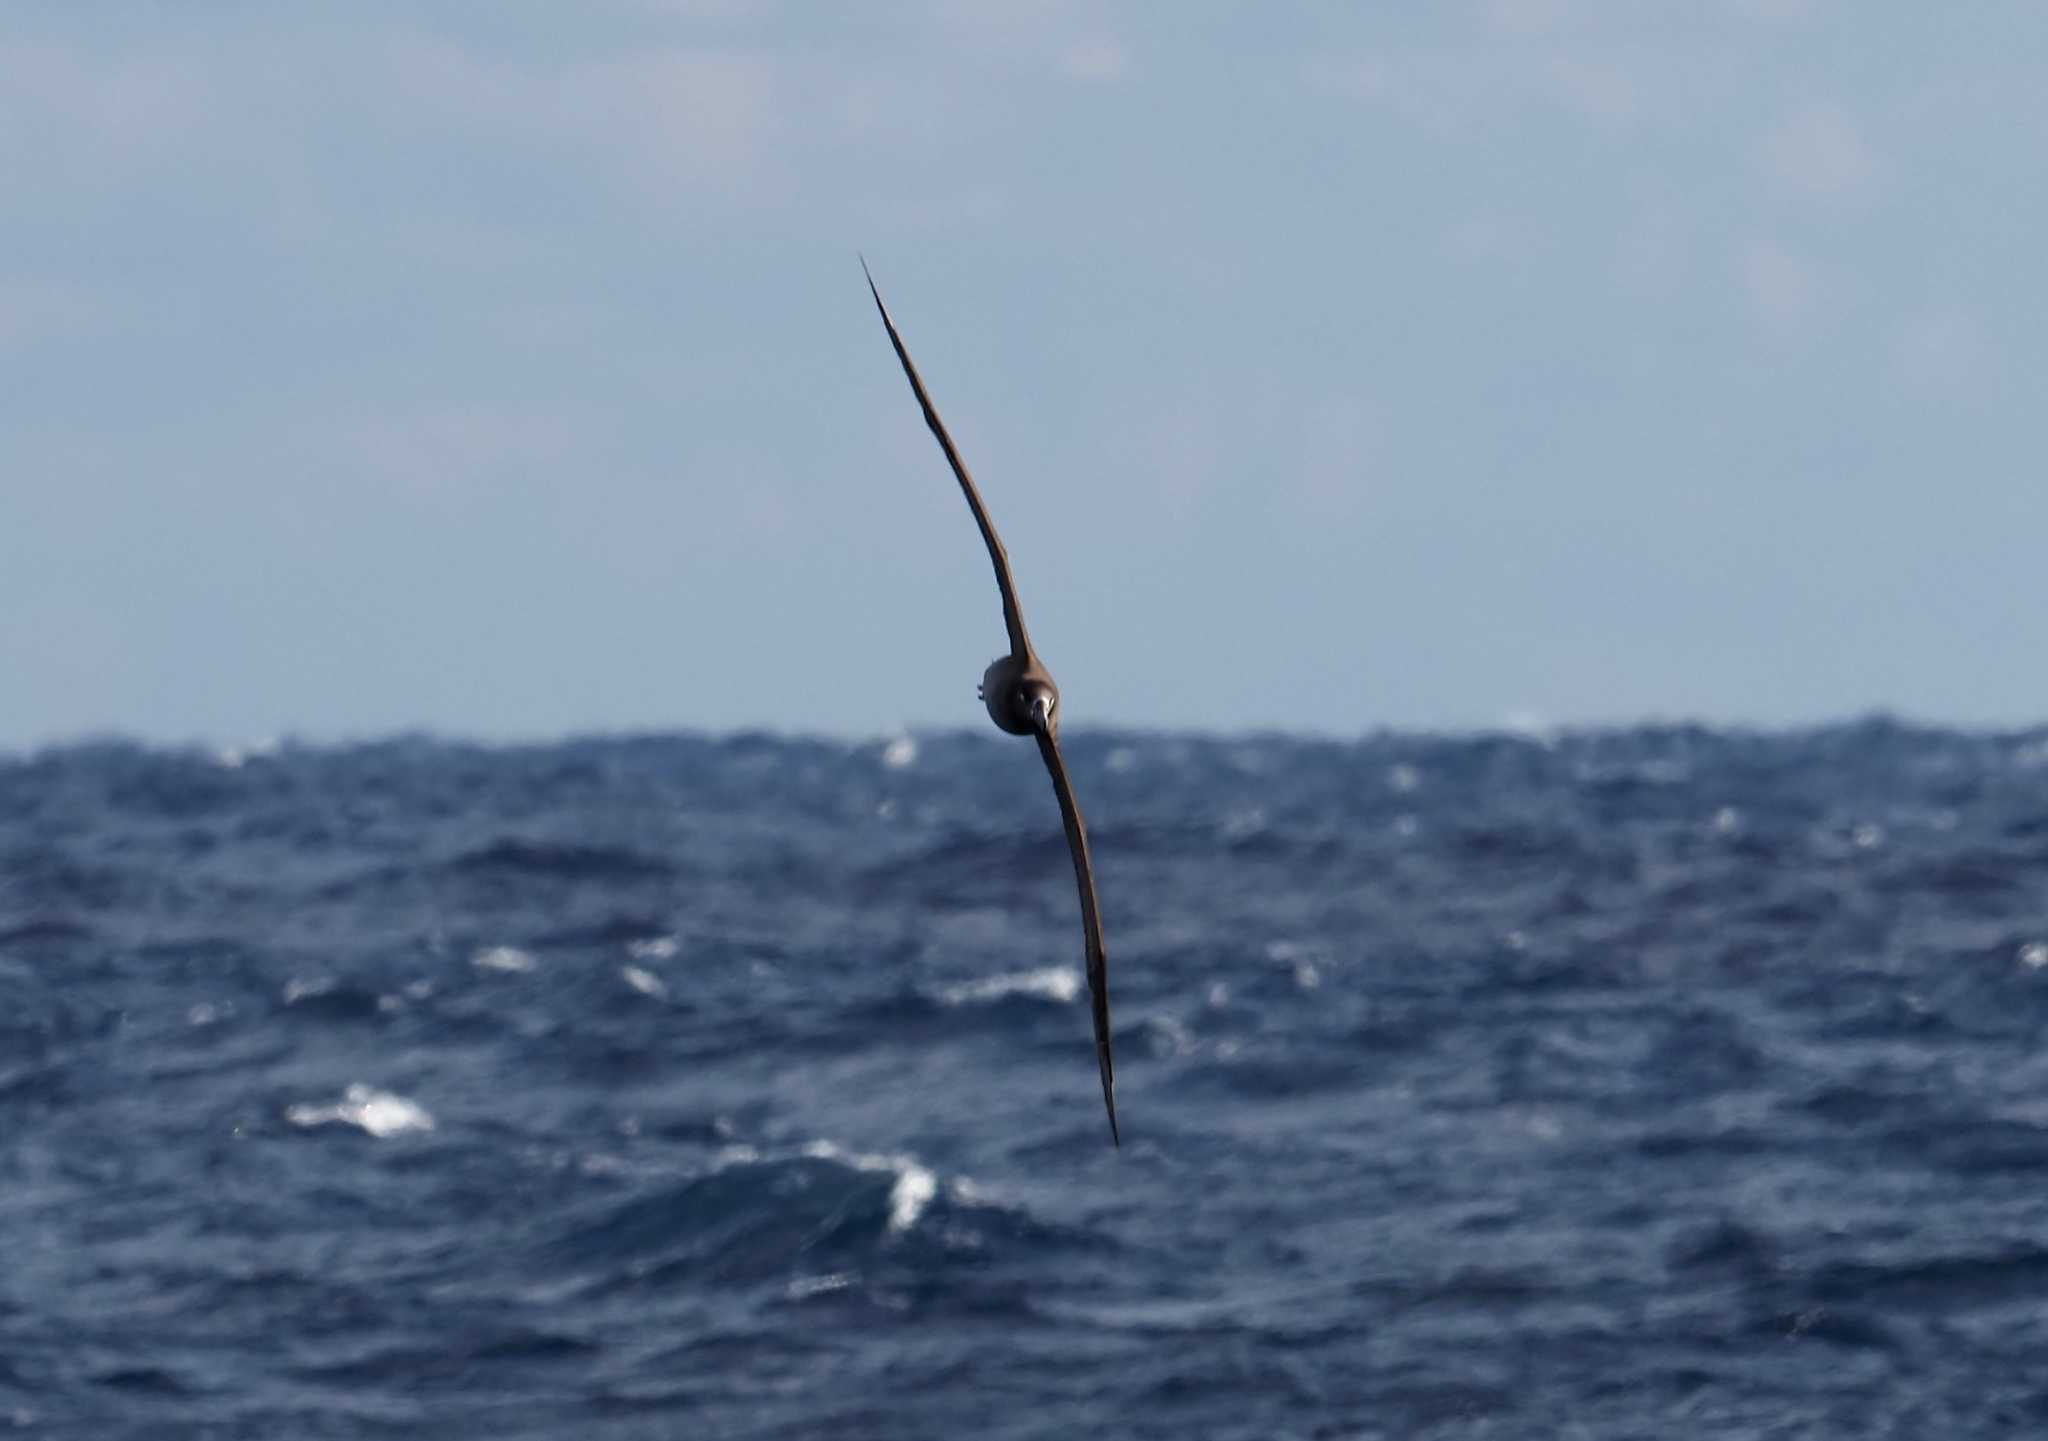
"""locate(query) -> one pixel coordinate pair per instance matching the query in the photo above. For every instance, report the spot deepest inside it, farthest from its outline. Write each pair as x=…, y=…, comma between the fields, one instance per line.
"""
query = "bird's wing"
x=1091, y=914
x=1013, y=617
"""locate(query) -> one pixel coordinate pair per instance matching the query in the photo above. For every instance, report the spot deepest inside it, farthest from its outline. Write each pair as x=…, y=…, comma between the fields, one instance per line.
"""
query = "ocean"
x=1662, y=1081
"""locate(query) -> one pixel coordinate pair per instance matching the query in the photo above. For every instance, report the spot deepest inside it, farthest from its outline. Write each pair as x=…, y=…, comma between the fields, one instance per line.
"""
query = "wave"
x=46, y=930
x=509, y=960
x=1458, y=1048
x=810, y=1219
x=514, y=857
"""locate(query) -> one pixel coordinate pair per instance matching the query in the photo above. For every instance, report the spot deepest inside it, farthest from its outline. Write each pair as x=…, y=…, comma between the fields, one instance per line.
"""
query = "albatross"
x=1023, y=701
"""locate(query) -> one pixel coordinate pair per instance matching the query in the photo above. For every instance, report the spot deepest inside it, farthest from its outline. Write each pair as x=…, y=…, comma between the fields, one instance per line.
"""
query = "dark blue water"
x=1663, y=1082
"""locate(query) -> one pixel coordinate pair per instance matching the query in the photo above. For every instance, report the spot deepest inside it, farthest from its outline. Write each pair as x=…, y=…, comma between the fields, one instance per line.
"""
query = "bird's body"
x=1023, y=701
x=1009, y=687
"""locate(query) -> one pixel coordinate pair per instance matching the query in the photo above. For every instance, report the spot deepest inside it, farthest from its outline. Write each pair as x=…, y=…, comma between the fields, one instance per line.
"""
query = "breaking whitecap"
x=802, y=1286
x=503, y=958
x=645, y=982
x=379, y=1113
x=915, y=1184
x=233, y=758
x=1053, y=983
x=306, y=988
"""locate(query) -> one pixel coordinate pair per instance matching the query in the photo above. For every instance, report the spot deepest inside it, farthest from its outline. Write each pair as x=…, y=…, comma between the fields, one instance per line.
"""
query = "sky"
x=505, y=369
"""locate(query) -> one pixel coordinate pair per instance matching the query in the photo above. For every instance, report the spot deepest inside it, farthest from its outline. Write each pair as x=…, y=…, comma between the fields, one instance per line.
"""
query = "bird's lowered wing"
x=1091, y=914
x=1013, y=617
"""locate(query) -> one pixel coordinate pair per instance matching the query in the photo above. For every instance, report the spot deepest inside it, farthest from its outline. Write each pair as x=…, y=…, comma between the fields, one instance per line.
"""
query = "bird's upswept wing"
x=1091, y=914
x=1013, y=616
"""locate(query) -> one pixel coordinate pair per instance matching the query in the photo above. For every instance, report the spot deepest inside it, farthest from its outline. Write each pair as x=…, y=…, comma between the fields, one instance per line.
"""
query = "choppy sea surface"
x=1649, y=1082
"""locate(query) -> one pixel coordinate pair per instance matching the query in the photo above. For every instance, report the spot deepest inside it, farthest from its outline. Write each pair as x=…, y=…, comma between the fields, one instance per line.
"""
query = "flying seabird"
x=1023, y=701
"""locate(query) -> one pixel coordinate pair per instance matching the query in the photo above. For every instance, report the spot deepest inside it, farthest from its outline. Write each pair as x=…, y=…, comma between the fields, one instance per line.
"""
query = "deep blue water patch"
x=1657, y=1081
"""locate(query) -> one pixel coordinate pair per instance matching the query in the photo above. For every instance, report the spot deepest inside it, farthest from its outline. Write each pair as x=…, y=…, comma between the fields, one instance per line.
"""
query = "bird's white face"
x=1041, y=704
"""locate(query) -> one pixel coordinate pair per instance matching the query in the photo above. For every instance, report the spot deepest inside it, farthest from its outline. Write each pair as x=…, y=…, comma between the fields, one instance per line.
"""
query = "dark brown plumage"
x=1023, y=700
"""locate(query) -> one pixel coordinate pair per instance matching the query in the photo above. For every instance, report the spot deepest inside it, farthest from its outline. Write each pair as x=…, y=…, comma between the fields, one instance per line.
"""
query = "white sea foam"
x=380, y=1113
x=964, y=1192
x=802, y=1286
x=1244, y=822
x=915, y=1188
x=645, y=982
x=900, y=752
x=503, y=958
x=300, y=988
x=235, y=757
x=653, y=948
x=1168, y=1037
x=915, y=1184
x=1054, y=983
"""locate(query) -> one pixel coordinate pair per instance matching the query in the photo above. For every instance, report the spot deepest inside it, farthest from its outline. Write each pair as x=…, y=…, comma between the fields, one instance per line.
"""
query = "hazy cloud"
x=1596, y=87
x=1495, y=239
x=667, y=116
x=1340, y=446
x=56, y=96
x=456, y=456
x=32, y=313
x=1821, y=151
x=1654, y=248
x=1784, y=288
x=1942, y=348
x=1450, y=91
x=1774, y=12
x=1527, y=17
x=1099, y=60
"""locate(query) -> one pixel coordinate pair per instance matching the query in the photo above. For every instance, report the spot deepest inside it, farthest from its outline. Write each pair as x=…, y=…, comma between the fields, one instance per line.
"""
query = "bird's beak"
x=1041, y=713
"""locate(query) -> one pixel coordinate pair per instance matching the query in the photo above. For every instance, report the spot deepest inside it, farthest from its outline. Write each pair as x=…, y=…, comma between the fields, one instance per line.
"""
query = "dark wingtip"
x=1109, y=1101
x=872, y=290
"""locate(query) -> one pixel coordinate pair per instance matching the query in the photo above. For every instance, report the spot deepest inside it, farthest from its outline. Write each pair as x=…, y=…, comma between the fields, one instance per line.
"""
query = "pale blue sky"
x=506, y=369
